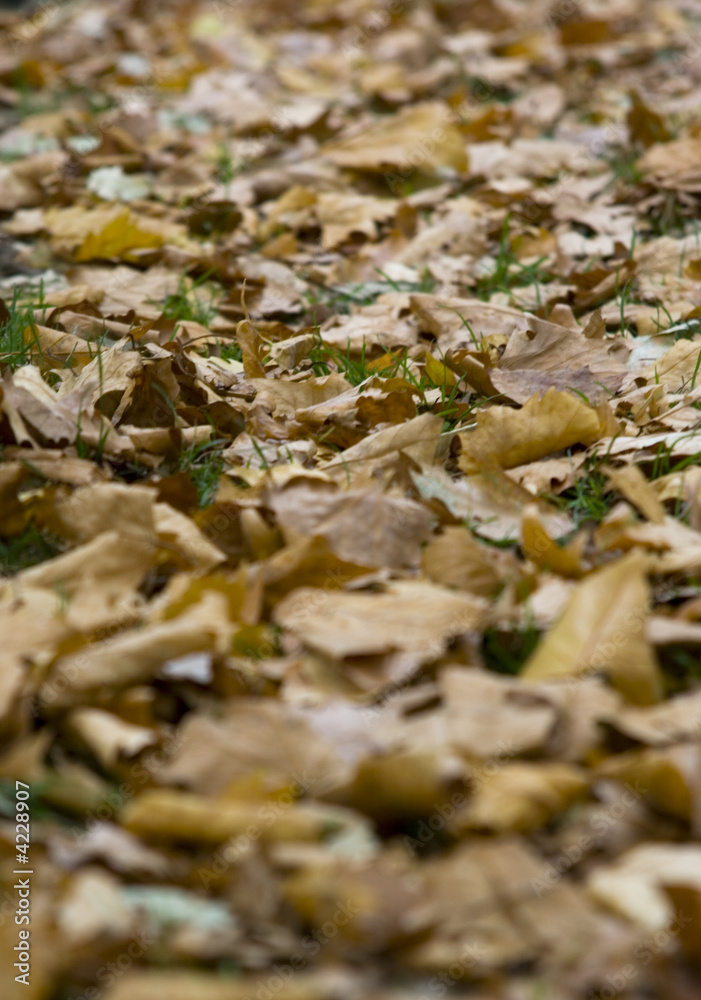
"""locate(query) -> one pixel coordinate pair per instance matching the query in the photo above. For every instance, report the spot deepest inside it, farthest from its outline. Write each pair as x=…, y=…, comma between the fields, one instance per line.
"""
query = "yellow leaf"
x=666, y=778
x=542, y=426
x=175, y=815
x=381, y=364
x=521, y=796
x=396, y=141
x=251, y=343
x=120, y=234
x=603, y=629
x=634, y=486
x=644, y=124
x=540, y=548
x=438, y=373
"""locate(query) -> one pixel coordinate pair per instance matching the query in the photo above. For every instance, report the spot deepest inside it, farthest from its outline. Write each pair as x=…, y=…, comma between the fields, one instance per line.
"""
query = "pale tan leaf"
x=391, y=141
x=416, y=617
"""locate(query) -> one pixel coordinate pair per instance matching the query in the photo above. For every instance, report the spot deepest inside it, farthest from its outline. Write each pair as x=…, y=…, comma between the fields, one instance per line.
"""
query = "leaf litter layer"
x=351, y=536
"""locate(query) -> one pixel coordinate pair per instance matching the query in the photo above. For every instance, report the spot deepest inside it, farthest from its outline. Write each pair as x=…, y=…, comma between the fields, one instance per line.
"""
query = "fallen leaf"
x=420, y=618
x=544, y=425
x=602, y=629
x=390, y=142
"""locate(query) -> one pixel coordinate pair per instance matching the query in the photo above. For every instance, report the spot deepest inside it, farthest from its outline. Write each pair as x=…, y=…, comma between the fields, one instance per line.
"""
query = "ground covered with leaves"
x=350, y=499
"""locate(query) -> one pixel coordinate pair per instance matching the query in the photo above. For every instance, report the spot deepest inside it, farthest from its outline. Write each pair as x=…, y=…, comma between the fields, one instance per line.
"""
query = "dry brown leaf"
x=307, y=562
x=283, y=398
x=374, y=327
x=180, y=985
x=92, y=908
x=673, y=721
x=673, y=164
x=341, y=215
x=364, y=527
x=98, y=580
x=252, y=349
x=177, y=531
x=136, y=655
x=490, y=502
x=108, y=736
x=644, y=124
x=17, y=191
x=472, y=892
x=401, y=785
x=261, y=739
x=417, y=617
x=34, y=411
x=382, y=897
x=390, y=142
x=633, y=886
x=493, y=717
x=108, y=231
x=418, y=438
x=537, y=345
x=127, y=509
x=456, y=559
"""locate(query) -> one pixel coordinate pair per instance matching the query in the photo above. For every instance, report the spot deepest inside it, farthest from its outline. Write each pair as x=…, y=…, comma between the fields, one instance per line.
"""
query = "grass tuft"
x=509, y=273
x=204, y=464
x=187, y=304
x=31, y=547
x=16, y=318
